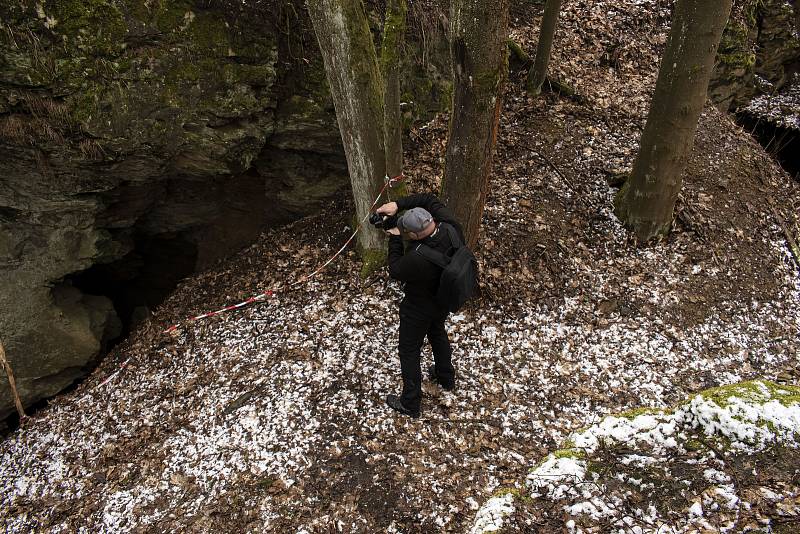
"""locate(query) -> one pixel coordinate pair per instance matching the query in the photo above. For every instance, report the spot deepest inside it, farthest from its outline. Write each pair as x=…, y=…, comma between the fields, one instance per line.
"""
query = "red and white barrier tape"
x=261, y=296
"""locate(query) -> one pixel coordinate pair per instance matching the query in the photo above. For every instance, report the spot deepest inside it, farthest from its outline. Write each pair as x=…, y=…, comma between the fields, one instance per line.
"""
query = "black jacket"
x=421, y=276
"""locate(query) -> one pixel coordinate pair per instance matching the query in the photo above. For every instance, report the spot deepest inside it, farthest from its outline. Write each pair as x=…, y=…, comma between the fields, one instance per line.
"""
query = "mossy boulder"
x=703, y=453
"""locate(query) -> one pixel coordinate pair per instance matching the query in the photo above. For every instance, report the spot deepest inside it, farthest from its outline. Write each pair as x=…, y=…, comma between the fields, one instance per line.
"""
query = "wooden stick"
x=794, y=249
x=11, y=382
x=552, y=166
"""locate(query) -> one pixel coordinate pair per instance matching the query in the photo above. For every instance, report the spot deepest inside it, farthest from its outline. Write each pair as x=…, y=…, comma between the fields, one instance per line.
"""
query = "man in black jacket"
x=420, y=315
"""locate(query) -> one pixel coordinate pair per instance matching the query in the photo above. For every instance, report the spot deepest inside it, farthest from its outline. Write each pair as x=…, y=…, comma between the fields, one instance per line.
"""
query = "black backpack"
x=459, y=281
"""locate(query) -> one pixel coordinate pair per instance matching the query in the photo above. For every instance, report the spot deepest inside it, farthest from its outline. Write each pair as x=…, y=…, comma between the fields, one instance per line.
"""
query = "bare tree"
x=538, y=73
x=478, y=50
x=351, y=67
x=647, y=200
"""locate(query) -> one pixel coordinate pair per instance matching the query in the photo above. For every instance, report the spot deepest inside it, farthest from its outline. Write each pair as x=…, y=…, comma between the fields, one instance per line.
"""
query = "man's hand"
x=390, y=208
x=393, y=231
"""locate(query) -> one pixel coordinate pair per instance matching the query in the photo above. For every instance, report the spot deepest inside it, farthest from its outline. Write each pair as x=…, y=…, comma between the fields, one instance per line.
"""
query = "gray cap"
x=414, y=220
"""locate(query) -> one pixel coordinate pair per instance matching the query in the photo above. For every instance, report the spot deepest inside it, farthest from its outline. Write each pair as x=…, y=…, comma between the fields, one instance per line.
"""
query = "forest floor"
x=272, y=418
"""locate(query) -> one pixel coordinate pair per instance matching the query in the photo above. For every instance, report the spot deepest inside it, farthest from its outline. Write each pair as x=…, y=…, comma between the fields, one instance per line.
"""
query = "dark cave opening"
x=143, y=278
x=135, y=284
x=780, y=142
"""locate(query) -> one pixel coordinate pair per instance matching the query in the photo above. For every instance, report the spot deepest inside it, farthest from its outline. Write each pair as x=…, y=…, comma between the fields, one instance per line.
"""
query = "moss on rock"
x=735, y=50
x=576, y=454
x=758, y=391
x=95, y=27
x=636, y=412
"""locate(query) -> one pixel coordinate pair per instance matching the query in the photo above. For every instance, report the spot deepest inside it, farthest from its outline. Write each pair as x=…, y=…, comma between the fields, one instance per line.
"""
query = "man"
x=420, y=314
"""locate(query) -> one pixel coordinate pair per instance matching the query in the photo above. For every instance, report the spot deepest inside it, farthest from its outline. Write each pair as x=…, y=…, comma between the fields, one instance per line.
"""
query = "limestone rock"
x=128, y=126
x=759, y=52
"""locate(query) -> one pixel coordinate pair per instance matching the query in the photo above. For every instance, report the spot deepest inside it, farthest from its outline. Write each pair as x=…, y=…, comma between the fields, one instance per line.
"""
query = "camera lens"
x=376, y=220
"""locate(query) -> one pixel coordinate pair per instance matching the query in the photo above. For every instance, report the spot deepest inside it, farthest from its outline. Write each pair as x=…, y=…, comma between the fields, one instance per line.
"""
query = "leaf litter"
x=272, y=418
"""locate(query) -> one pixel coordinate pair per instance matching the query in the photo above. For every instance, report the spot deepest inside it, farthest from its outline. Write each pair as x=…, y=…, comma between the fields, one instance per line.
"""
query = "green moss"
x=372, y=260
x=514, y=492
x=447, y=96
x=363, y=61
x=488, y=80
x=208, y=32
x=598, y=469
x=735, y=51
x=759, y=391
x=95, y=27
x=171, y=15
x=738, y=60
x=694, y=445
x=636, y=412
x=518, y=53
x=751, y=12
x=394, y=29
x=576, y=454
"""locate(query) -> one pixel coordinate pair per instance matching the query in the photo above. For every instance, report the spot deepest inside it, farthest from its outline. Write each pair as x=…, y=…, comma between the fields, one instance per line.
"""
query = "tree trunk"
x=538, y=73
x=479, y=54
x=647, y=200
x=351, y=67
x=393, y=36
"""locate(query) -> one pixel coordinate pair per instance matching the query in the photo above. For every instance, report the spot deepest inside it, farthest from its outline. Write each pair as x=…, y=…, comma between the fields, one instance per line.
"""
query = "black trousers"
x=413, y=329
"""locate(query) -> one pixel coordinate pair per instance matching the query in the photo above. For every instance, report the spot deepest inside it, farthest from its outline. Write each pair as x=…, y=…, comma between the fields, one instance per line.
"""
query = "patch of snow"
x=491, y=515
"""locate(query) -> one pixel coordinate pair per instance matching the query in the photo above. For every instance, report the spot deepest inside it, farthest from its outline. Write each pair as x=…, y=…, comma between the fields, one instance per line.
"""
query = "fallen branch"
x=552, y=166
x=12, y=382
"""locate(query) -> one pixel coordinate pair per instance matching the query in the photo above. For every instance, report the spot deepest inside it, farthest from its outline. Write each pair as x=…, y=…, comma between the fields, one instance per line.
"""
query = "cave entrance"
x=143, y=278
x=780, y=142
x=135, y=284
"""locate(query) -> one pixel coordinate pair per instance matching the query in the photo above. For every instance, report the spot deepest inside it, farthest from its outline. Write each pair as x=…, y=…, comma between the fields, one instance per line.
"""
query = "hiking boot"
x=447, y=386
x=394, y=403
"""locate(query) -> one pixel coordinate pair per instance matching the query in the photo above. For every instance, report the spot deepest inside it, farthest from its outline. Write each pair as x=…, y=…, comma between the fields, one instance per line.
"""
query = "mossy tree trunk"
x=351, y=67
x=538, y=73
x=647, y=200
x=394, y=29
x=479, y=55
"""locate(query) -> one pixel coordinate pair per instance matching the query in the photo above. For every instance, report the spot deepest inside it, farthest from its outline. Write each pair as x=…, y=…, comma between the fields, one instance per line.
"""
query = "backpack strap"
x=455, y=241
x=439, y=258
x=433, y=256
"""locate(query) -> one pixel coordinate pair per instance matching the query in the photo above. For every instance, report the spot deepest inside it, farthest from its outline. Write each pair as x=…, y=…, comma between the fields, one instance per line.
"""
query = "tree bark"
x=538, y=73
x=479, y=55
x=647, y=200
x=393, y=37
x=351, y=67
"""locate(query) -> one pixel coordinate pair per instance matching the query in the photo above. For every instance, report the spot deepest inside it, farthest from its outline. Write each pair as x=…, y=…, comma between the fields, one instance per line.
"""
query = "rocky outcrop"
x=758, y=54
x=757, y=73
x=134, y=130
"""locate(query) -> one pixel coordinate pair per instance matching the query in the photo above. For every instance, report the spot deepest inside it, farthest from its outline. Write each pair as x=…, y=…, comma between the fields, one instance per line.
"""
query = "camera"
x=384, y=222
